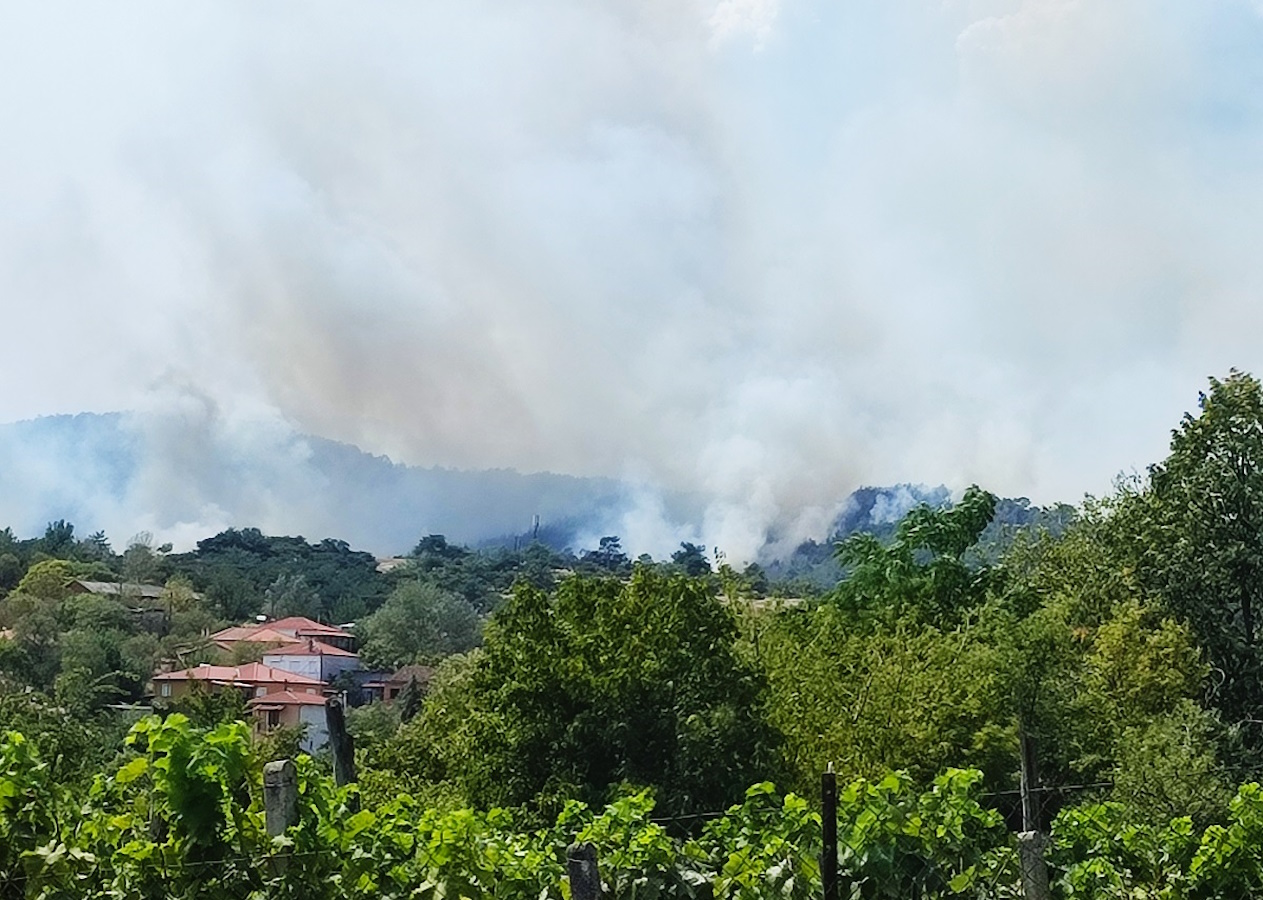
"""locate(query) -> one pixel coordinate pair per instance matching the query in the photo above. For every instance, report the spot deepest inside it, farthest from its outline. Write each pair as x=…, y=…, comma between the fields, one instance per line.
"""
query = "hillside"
x=122, y=472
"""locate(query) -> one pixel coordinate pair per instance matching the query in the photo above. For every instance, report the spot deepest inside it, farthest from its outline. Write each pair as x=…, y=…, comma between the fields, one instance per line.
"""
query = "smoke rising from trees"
x=763, y=251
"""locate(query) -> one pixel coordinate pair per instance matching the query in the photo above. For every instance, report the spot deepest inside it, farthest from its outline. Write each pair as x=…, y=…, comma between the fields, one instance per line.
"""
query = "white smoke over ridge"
x=762, y=251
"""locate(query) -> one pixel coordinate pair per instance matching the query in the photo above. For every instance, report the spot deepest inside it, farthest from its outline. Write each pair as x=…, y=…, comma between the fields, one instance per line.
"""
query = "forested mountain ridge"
x=99, y=470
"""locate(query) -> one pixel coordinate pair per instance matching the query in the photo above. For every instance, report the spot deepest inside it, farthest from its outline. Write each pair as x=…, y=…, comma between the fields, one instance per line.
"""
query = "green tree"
x=59, y=539
x=11, y=571
x=608, y=683
x=409, y=701
x=291, y=595
x=608, y=557
x=419, y=622
x=1197, y=535
x=691, y=558
x=141, y=561
x=922, y=571
x=96, y=546
x=875, y=700
x=47, y=579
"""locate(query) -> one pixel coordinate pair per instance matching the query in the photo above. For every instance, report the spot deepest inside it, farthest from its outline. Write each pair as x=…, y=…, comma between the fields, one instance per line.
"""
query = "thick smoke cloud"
x=764, y=251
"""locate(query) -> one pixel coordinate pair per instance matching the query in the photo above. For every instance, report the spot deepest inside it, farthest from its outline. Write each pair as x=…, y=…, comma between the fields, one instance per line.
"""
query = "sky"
x=765, y=251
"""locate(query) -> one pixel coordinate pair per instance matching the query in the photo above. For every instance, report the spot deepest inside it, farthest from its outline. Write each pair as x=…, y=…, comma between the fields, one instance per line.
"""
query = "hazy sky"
x=767, y=250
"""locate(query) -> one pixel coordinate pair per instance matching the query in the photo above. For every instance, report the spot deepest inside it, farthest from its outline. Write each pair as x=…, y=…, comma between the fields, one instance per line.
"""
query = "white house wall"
x=298, y=665
x=321, y=667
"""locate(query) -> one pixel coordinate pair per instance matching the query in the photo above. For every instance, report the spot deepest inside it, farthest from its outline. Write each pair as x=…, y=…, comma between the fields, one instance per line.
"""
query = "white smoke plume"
x=761, y=251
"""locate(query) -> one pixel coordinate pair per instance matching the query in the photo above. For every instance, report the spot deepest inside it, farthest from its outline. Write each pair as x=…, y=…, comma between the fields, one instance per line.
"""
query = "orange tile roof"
x=309, y=647
x=282, y=630
x=251, y=673
x=303, y=625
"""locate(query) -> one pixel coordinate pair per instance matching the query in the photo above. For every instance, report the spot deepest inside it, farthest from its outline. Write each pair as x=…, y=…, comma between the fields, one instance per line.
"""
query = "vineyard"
x=181, y=815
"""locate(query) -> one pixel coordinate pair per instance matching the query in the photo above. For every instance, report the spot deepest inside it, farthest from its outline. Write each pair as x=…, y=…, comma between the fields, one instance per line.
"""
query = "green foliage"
x=1168, y=767
x=291, y=595
x=11, y=571
x=372, y=725
x=418, y=623
x=47, y=579
x=691, y=559
x=895, y=842
x=59, y=538
x=604, y=683
x=236, y=568
x=285, y=742
x=922, y=572
x=207, y=708
x=409, y=700
x=1196, y=535
x=872, y=701
x=181, y=817
x=28, y=802
x=767, y=846
x=1102, y=853
x=75, y=745
x=608, y=558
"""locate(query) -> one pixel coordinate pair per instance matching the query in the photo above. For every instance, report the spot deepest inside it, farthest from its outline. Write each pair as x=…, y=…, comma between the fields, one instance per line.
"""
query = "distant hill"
x=188, y=475
x=877, y=511
x=121, y=472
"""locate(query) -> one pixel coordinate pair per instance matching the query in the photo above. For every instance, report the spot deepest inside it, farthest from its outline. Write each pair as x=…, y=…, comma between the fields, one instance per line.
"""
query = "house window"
x=166, y=689
x=260, y=691
x=274, y=719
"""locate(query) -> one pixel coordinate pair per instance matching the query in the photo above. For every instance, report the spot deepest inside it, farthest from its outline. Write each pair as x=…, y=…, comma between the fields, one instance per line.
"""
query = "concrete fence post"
x=1031, y=842
x=585, y=879
x=1030, y=849
x=280, y=795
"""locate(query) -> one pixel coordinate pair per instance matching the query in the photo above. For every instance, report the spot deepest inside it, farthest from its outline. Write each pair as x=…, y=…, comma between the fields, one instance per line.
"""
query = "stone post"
x=341, y=743
x=585, y=879
x=1030, y=849
x=280, y=795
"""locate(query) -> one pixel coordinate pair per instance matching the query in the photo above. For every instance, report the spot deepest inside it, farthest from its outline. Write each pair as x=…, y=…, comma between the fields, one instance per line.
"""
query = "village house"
x=145, y=603
x=312, y=658
x=287, y=709
x=252, y=680
x=116, y=589
x=282, y=631
x=274, y=697
x=395, y=684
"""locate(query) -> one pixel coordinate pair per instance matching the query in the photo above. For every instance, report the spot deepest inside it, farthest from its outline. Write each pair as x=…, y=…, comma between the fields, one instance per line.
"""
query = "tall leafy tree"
x=419, y=622
x=607, y=683
x=1198, y=536
x=692, y=559
x=608, y=557
x=922, y=572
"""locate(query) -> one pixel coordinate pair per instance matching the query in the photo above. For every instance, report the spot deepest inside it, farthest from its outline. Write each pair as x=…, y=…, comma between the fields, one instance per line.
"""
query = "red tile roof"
x=423, y=675
x=303, y=625
x=309, y=647
x=287, y=629
x=242, y=634
x=251, y=673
